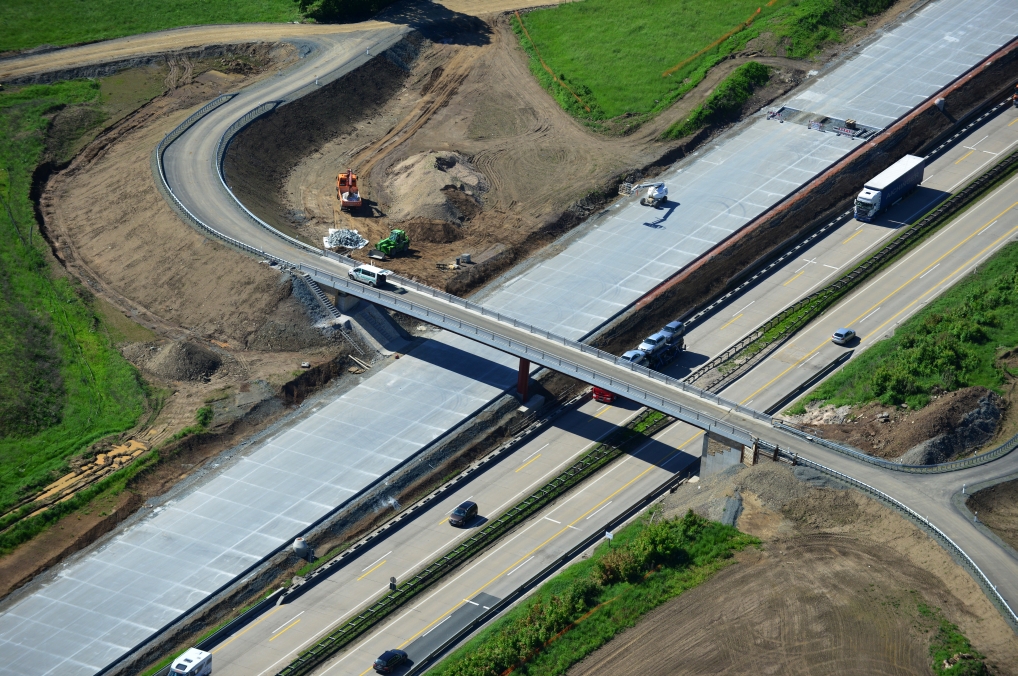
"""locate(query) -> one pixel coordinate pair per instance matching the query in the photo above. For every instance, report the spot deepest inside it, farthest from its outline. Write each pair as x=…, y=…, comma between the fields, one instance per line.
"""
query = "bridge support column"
x=523, y=379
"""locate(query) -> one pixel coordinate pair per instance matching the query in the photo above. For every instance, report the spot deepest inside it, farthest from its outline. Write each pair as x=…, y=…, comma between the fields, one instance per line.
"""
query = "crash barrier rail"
x=809, y=306
x=224, y=144
x=939, y=468
x=538, y=356
x=588, y=542
x=286, y=595
x=404, y=591
x=725, y=298
x=947, y=543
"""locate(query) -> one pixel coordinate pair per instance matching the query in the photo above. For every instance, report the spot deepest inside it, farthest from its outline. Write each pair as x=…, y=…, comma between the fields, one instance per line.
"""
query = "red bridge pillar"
x=523, y=379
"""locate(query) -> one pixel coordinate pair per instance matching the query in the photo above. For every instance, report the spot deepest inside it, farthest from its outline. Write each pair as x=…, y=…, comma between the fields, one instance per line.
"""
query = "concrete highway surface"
x=274, y=639
x=85, y=618
x=832, y=255
x=876, y=308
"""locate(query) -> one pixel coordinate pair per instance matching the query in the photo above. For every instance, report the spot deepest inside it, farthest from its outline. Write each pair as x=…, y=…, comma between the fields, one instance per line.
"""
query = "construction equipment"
x=396, y=243
x=346, y=190
x=656, y=192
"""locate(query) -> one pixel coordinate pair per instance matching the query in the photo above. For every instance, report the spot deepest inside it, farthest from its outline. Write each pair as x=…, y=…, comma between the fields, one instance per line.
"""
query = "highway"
x=37, y=632
x=876, y=308
x=929, y=495
x=274, y=639
x=825, y=258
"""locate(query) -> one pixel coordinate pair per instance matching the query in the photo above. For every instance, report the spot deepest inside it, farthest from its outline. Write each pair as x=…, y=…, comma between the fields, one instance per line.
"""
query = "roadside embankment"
x=729, y=262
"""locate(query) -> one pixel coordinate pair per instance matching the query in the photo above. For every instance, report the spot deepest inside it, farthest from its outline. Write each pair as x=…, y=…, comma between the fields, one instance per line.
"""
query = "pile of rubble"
x=347, y=239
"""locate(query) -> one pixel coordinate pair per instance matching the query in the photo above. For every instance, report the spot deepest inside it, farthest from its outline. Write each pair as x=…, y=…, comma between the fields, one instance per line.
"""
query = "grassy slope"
x=62, y=383
x=950, y=344
x=30, y=23
x=588, y=603
x=613, y=53
x=725, y=102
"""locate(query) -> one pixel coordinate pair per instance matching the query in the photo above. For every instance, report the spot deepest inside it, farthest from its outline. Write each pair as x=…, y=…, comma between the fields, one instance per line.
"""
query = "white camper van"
x=193, y=663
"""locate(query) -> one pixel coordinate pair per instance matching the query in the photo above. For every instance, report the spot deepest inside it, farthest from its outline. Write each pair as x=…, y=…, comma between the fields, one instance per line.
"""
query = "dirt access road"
x=835, y=588
x=466, y=152
x=195, y=36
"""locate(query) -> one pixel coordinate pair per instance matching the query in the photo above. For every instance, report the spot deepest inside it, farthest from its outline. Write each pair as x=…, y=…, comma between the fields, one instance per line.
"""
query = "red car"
x=603, y=396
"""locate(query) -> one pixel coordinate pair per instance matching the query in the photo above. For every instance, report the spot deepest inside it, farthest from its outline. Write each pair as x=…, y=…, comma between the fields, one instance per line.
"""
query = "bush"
x=725, y=102
x=204, y=416
x=584, y=606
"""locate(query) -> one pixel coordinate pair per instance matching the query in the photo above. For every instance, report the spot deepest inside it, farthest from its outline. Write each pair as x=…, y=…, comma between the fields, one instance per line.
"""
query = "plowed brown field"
x=834, y=589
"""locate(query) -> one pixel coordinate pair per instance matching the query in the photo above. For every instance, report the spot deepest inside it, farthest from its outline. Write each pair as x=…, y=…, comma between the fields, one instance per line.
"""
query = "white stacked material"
x=349, y=239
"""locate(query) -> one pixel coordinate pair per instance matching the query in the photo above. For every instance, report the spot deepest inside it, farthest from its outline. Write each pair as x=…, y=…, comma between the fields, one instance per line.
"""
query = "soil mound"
x=185, y=360
x=950, y=425
x=440, y=186
x=997, y=508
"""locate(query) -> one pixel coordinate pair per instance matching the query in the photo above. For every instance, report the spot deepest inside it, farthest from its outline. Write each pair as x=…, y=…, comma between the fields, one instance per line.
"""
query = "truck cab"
x=194, y=662
x=867, y=204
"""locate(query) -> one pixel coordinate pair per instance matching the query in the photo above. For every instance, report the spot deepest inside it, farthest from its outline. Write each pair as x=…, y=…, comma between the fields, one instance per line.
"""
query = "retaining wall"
x=814, y=204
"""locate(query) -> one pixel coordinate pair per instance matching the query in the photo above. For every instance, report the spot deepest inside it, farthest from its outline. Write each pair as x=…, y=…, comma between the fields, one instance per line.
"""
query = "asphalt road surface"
x=269, y=643
x=832, y=255
x=876, y=308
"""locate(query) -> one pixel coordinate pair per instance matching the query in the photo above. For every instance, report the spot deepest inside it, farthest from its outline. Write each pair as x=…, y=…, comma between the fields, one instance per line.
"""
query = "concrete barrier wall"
x=829, y=194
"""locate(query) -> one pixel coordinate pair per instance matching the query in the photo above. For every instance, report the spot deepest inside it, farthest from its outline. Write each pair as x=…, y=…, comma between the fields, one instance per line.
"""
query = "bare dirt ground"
x=205, y=325
x=834, y=588
x=473, y=98
x=469, y=94
x=997, y=508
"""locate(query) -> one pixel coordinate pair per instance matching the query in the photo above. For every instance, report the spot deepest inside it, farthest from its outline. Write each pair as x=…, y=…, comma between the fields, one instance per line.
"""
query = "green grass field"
x=613, y=54
x=950, y=344
x=63, y=385
x=29, y=23
x=591, y=601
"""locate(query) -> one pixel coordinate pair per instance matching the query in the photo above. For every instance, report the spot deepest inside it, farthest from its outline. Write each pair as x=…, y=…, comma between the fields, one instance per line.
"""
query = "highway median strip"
x=770, y=335
x=644, y=426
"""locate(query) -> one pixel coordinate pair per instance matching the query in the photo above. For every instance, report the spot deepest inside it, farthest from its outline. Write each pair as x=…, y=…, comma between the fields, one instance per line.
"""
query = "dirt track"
x=834, y=589
x=474, y=97
x=195, y=36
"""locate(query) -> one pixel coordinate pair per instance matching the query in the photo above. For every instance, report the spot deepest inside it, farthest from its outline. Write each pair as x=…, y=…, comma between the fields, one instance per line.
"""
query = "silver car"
x=635, y=356
x=843, y=336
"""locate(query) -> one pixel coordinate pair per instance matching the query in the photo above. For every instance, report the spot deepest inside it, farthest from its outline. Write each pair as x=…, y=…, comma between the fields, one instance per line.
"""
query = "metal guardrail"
x=947, y=543
x=940, y=468
x=591, y=540
x=547, y=359
x=404, y=591
x=804, y=309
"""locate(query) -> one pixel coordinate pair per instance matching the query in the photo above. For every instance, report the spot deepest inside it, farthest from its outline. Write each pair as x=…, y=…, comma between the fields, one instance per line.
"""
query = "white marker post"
x=609, y=537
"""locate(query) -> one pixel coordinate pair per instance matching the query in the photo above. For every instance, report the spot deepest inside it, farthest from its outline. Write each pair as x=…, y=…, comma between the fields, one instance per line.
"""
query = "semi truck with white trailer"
x=889, y=186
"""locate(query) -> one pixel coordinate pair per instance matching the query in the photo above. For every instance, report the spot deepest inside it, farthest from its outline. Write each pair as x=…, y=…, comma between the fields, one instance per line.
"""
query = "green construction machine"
x=396, y=243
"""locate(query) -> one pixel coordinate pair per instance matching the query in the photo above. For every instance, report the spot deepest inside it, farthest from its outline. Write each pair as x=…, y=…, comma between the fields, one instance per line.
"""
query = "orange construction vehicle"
x=346, y=190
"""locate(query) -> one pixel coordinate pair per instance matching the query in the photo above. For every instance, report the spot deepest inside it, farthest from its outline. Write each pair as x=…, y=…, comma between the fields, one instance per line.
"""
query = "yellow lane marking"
x=797, y=275
x=730, y=321
x=879, y=302
x=528, y=462
x=288, y=628
x=247, y=629
x=945, y=279
x=526, y=556
x=607, y=407
x=964, y=156
x=371, y=571
x=1012, y=121
x=857, y=233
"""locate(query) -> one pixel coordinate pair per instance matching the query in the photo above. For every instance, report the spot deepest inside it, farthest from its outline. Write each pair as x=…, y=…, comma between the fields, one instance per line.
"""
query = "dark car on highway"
x=389, y=660
x=462, y=515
